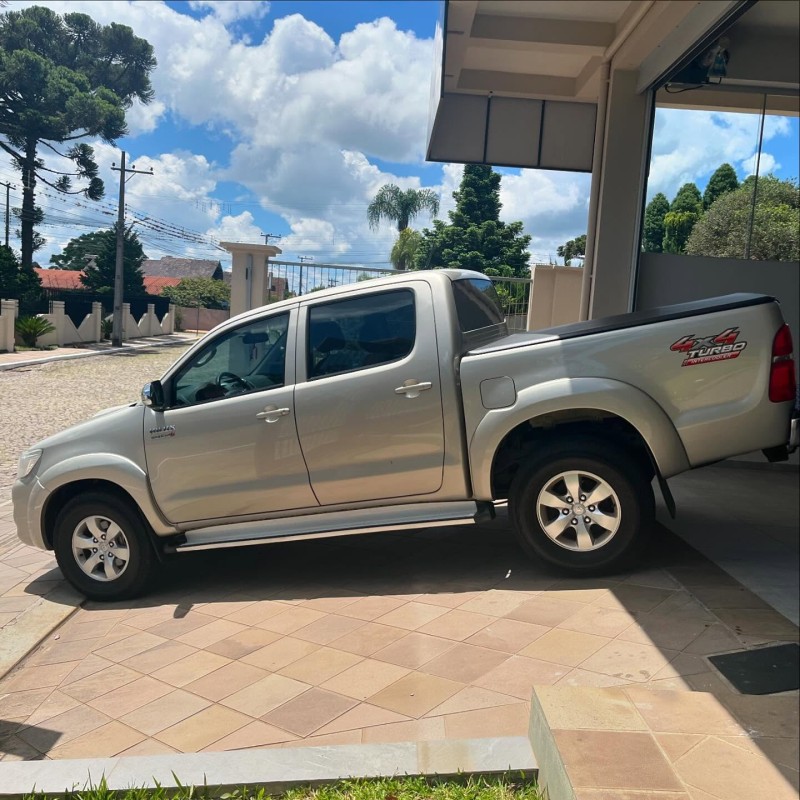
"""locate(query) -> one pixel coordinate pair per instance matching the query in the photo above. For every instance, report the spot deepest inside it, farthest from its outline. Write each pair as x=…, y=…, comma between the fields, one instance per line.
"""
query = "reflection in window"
x=724, y=183
x=250, y=358
x=363, y=332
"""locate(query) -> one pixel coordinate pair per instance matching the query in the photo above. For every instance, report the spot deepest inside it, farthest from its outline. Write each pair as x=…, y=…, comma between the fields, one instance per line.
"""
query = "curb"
x=19, y=637
x=113, y=351
x=274, y=769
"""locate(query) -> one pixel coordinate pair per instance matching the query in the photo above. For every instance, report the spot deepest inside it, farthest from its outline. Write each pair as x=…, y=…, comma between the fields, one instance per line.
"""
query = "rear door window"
x=359, y=333
x=477, y=304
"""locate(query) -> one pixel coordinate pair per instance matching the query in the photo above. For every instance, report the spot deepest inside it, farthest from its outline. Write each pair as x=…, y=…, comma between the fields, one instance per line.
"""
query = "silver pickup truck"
x=404, y=402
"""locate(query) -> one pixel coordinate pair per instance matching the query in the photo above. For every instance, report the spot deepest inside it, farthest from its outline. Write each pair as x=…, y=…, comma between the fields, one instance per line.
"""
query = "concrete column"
x=58, y=316
x=624, y=173
x=97, y=319
x=249, y=278
x=168, y=323
x=8, y=315
x=555, y=296
x=127, y=333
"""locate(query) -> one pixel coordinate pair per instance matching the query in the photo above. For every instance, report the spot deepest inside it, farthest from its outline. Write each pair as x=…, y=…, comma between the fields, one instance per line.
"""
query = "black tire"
x=133, y=573
x=629, y=511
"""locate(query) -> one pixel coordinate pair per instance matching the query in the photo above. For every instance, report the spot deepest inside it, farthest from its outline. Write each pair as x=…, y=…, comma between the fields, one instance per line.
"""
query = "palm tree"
x=400, y=206
x=405, y=248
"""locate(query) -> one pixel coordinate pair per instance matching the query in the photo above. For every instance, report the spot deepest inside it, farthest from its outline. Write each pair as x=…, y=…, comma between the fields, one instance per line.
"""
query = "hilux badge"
x=705, y=349
x=162, y=433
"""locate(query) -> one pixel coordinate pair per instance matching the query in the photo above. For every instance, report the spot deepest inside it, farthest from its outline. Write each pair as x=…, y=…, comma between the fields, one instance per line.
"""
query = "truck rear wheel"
x=103, y=548
x=582, y=507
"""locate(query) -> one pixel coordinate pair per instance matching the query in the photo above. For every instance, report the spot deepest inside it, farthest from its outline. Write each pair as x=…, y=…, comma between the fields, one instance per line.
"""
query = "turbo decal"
x=706, y=349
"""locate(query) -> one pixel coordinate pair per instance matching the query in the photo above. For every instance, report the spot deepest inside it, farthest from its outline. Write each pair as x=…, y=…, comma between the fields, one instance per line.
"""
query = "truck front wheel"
x=582, y=507
x=103, y=548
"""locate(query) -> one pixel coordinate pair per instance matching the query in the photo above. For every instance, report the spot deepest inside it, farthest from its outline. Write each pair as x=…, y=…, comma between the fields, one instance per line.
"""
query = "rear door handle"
x=412, y=388
x=272, y=413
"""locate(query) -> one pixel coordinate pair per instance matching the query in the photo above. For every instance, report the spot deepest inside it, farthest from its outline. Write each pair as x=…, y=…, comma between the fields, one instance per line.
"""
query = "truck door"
x=226, y=446
x=369, y=410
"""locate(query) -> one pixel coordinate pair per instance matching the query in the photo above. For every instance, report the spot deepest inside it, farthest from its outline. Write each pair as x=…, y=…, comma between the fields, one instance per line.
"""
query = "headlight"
x=27, y=461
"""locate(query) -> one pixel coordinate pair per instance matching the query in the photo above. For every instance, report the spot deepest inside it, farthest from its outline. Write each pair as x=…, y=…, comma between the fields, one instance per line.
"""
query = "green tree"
x=653, y=232
x=684, y=211
x=199, y=292
x=19, y=283
x=722, y=232
x=405, y=249
x=475, y=238
x=399, y=206
x=574, y=248
x=74, y=255
x=723, y=180
x=100, y=277
x=63, y=79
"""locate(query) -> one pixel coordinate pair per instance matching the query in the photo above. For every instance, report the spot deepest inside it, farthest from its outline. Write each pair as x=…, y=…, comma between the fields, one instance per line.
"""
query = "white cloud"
x=238, y=228
x=689, y=145
x=228, y=11
x=765, y=165
x=306, y=115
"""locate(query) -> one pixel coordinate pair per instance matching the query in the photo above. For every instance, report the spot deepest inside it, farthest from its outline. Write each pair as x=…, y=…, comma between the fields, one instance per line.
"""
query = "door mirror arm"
x=153, y=395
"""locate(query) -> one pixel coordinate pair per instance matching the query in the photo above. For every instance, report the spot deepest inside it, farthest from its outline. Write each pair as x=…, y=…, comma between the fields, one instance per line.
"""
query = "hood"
x=98, y=429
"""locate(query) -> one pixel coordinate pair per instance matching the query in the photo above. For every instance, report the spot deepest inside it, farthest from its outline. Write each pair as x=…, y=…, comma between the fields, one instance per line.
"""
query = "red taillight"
x=782, y=385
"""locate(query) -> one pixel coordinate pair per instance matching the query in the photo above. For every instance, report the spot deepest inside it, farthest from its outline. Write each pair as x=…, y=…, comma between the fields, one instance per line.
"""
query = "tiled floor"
x=377, y=638
x=636, y=742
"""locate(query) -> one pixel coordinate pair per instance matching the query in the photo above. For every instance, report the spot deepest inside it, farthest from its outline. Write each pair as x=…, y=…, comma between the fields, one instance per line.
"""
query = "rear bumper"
x=794, y=432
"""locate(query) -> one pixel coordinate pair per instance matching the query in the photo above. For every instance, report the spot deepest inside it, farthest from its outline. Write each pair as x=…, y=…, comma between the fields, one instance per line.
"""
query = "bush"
x=106, y=327
x=29, y=329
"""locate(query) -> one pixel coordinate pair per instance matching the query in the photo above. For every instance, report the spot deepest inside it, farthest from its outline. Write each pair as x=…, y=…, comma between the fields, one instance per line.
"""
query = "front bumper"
x=28, y=498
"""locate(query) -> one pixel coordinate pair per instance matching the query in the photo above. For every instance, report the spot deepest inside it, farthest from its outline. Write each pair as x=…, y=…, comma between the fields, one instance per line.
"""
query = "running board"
x=336, y=523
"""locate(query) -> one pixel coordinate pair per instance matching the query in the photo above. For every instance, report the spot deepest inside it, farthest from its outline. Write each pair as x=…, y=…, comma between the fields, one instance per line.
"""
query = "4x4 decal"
x=705, y=349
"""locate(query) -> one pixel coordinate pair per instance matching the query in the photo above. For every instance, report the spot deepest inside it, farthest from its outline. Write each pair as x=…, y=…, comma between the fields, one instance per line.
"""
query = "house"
x=69, y=280
x=172, y=267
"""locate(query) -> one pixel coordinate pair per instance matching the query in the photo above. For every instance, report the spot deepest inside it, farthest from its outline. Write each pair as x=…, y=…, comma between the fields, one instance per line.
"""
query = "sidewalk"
x=31, y=357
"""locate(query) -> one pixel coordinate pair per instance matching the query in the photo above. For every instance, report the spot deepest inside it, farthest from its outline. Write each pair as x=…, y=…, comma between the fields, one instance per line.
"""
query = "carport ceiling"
x=547, y=49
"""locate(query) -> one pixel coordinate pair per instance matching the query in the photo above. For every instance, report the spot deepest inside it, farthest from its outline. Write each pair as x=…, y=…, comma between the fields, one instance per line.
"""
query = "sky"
x=286, y=118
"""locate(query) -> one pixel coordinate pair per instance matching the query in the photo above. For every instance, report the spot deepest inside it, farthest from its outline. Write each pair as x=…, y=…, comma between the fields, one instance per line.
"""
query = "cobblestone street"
x=37, y=401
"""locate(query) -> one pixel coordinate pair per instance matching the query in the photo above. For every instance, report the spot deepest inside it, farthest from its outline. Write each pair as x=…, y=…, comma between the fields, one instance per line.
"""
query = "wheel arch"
x=107, y=473
x=607, y=409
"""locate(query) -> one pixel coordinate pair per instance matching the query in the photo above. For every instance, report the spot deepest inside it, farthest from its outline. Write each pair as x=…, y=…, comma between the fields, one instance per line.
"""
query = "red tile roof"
x=70, y=280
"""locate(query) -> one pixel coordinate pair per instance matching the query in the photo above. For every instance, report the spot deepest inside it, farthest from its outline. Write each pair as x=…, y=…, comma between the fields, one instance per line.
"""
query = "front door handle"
x=411, y=388
x=272, y=413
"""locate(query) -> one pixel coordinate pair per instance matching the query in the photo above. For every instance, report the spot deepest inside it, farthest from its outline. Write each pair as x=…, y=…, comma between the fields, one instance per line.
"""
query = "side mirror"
x=153, y=395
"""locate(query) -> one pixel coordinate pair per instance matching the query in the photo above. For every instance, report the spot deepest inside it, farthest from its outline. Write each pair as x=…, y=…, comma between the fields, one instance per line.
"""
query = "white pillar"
x=97, y=322
x=623, y=176
x=8, y=316
x=249, y=278
x=58, y=317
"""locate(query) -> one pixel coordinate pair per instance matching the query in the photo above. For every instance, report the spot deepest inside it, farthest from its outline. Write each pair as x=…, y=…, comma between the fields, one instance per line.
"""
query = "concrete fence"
x=90, y=330
x=201, y=319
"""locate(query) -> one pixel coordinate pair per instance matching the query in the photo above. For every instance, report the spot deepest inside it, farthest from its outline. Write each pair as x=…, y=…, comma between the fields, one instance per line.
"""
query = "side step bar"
x=337, y=523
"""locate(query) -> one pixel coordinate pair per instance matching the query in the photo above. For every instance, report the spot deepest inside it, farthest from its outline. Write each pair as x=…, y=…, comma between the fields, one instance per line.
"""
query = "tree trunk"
x=28, y=203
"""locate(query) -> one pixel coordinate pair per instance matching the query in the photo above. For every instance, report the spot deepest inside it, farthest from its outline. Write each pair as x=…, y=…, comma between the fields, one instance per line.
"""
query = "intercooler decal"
x=705, y=349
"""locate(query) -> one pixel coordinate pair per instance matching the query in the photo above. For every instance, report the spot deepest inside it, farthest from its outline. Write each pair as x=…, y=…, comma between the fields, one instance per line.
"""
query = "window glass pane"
x=477, y=304
x=359, y=333
x=250, y=358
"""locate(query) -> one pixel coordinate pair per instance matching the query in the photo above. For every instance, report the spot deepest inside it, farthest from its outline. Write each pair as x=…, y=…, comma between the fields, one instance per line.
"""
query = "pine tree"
x=653, y=233
x=723, y=180
x=475, y=238
x=100, y=277
x=684, y=211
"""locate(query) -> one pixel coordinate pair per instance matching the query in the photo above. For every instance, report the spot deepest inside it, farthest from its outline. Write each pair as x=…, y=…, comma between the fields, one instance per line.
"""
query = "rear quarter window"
x=477, y=304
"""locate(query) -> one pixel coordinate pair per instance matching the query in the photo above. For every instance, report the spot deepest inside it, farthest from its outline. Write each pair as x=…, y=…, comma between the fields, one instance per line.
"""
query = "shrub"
x=29, y=329
x=106, y=327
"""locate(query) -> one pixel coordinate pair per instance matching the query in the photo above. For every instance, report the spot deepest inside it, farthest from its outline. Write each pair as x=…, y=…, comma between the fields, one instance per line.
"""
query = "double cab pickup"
x=404, y=402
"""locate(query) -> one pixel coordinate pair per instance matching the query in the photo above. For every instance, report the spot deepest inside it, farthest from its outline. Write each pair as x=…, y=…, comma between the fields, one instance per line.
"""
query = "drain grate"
x=767, y=670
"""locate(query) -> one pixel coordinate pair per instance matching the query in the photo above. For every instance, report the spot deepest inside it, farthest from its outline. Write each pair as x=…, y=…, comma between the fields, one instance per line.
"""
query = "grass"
x=468, y=788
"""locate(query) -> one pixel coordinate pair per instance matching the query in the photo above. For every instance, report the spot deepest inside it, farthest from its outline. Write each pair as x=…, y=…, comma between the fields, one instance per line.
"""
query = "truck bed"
x=635, y=319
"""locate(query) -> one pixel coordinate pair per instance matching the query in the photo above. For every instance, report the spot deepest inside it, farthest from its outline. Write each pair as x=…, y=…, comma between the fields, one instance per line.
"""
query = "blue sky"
x=286, y=117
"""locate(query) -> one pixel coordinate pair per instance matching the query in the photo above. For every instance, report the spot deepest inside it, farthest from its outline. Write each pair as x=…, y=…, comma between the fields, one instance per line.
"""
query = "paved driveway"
x=397, y=636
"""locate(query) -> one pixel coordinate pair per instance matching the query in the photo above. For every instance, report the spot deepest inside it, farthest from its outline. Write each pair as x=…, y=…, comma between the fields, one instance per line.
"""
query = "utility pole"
x=8, y=205
x=268, y=236
x=116, y=330
x=302, y=260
